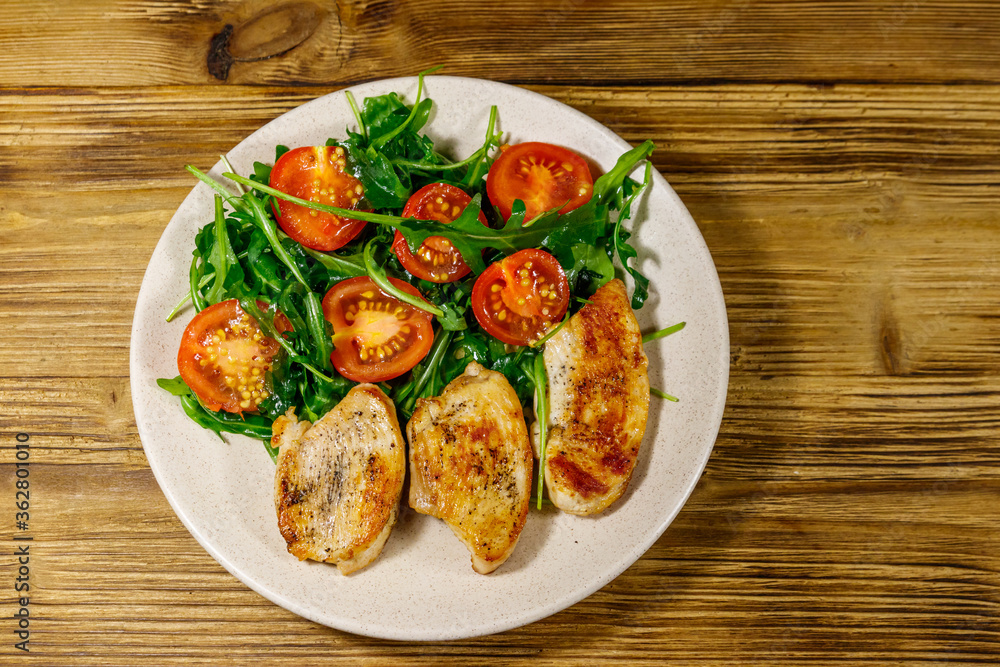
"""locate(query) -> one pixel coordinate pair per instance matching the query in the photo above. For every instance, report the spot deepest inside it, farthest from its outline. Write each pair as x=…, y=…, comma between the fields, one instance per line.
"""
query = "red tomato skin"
x=531, y=323
x=542, y=176
x=346, y=356
x=423, y=205
x=317, y=173
x=207, y=381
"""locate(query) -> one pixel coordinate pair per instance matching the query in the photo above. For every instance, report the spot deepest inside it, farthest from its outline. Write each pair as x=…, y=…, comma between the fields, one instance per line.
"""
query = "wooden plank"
x=132, y=42
x=788, y=571
x=845, y=514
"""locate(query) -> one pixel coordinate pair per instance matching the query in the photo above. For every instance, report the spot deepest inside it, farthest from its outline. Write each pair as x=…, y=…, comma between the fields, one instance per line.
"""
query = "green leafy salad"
x=376, y=258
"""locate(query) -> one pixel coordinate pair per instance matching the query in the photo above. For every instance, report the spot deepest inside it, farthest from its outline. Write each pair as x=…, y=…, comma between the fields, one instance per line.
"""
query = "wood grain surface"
x=842, y=160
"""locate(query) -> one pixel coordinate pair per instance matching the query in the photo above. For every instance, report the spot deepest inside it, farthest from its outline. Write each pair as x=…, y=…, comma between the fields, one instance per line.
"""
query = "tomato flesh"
x=541, y=175
x=224, y=358
x=436, y=260
x=318, y=174
x=518, y=299
x=376, y=337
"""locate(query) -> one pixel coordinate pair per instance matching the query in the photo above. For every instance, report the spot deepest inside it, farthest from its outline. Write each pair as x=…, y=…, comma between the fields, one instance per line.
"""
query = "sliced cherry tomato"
x=376, y=337
x=518, y=299
x=543, y=176
x=224, y=357
x=282, y=324
x=319, y=174
x=436, y=259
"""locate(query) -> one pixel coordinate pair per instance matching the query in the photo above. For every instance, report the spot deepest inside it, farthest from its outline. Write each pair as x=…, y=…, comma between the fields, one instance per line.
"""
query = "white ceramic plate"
x=422, y=587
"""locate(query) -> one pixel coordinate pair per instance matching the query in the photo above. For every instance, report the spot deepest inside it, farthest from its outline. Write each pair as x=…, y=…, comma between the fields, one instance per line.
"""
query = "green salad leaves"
x=243, y=254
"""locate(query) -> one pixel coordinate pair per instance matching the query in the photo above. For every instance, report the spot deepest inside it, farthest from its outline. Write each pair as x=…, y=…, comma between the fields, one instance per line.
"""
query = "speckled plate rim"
x=701, y=368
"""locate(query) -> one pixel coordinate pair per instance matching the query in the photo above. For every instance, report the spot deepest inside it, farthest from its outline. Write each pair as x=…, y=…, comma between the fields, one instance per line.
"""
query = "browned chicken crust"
x=598, y=403
x=339, y=481
x=470, y=463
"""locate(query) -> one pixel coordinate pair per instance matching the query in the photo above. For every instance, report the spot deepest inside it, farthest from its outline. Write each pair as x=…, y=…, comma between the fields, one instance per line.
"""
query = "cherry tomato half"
x=518, y=299
x=436, y=259
x=224, y=357
x=319, y=174
x=376, y=337
x=543, y=176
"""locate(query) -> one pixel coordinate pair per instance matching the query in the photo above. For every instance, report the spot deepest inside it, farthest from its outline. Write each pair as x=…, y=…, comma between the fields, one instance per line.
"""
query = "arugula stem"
x=377, y=218
x=270, y=229
x=663, y=333
x=379, y=277
x=659, y=394
x=441, y=344
x=249, y=306
x=430, y=70
x=427, y=166
x=178, y=307
x=544, y=339
x=388, y=136
x=474, y=173
x=229, y=167
x=187, y=297
x=542, y=415
x=195, y=293
x=219, y=256
x=235, y=202
x=357, y=115
x=316, y=323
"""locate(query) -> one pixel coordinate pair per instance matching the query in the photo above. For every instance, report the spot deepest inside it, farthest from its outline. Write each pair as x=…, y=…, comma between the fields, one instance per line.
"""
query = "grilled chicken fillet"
x=339, y=481
x=470, y=463
x=598, y=403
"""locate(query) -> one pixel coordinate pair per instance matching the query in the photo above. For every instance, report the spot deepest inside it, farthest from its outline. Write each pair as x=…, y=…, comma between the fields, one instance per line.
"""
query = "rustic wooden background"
x=843, y=162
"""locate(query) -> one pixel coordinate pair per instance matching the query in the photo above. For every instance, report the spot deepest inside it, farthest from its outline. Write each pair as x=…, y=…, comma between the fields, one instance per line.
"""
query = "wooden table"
x=843, y=163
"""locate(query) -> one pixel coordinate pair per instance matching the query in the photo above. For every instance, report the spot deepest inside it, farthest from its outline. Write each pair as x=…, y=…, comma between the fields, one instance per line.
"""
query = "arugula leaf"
x=626, y=251
x=592, y=259
x=250, y=425
x=262, y=263
x=253, y=426
x=222, y=258
x=269, y=227
x=407, y=395
x=383, y=187
x=465, y=348
x=518, y=368
x=542, y=414
x=319, y=330
x=606, y=185
x=383, y=114
x=339, y=266
x=414, y=121
x=452, y=317
x=175, y=386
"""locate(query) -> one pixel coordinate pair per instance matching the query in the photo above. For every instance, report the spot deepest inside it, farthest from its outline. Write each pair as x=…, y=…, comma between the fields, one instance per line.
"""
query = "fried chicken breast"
x=598, y=403
x=339, y=481
x=470, y=463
